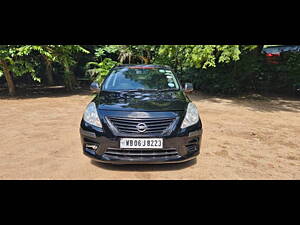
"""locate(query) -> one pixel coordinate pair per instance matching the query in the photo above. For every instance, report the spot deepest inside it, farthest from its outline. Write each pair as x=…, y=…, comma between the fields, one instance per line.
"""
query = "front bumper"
x=176, y=149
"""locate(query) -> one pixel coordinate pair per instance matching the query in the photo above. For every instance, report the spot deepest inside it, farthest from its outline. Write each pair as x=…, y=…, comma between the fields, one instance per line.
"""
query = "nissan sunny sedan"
x=141, y=115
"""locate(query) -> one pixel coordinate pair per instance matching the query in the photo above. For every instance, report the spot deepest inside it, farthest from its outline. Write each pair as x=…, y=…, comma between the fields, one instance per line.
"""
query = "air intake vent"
x=142, y=154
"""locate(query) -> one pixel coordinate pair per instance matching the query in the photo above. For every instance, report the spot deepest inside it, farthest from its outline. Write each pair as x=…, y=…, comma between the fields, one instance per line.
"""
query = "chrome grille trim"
x=157, y=126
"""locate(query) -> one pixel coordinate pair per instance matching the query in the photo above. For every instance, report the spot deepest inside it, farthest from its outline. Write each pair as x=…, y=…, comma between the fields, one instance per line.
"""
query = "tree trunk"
x=49, y=69
x=176, y=60
x=176, y=64
x=70, y=80
x=144, y=59
x=8, y=77
x=259, y=49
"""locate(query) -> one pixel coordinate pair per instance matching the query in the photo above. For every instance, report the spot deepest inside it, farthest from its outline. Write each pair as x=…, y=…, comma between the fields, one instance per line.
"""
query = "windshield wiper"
x=143, y=90
x=159, y=90
x=169, y=89
x=140, y=90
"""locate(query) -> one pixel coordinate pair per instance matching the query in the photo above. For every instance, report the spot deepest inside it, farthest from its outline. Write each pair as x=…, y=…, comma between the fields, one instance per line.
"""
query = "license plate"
x=141, y=143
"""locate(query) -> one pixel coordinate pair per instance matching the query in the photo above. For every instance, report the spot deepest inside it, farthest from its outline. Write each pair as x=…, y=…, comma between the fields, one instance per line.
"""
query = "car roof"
x=143, y=66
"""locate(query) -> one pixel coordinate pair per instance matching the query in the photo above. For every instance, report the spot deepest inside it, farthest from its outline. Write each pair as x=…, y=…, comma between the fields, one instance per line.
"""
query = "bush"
x=212, y=80
x=252, y=73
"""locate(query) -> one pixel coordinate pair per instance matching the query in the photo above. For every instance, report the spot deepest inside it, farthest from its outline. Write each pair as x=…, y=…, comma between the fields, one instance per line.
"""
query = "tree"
x=198, y=56
x=14, y=60
x=145, y=53
x=20, y=59
x=128, y=53
x=8, y=77
x=47, y=54
x=98, y=71
x=64, y=54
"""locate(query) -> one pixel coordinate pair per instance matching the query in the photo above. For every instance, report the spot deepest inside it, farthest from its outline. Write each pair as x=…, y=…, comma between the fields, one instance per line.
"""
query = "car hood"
x=142, y=101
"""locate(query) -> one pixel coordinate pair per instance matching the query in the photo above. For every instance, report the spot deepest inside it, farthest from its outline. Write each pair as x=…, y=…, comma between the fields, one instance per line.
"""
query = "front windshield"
x=140, y=78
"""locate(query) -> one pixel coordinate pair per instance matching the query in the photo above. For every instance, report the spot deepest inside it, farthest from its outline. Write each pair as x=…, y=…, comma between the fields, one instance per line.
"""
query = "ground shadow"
x=145, y=167
x=255, y=102
x=44, y=92
x=270, y=105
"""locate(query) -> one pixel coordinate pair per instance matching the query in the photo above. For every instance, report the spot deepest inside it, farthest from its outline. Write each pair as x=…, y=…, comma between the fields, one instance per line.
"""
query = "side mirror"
x=188, y=87
x=95, y=87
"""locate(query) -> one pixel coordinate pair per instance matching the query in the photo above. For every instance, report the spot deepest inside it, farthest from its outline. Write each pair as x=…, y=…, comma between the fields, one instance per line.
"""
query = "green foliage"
x=64, y=55
x=17, y=60
x=131, y=54
x=252, y=73
x=25, y=59
x=225, y=69
x=106, y=49
x=213, y=80
x=176, y=56
x=98, y=71
x=181, y=57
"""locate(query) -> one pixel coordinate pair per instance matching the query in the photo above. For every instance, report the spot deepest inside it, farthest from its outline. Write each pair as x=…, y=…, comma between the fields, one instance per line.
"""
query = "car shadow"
x=145, y=167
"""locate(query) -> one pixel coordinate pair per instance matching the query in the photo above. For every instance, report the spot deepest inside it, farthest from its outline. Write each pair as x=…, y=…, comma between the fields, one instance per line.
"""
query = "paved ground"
x=243, y=139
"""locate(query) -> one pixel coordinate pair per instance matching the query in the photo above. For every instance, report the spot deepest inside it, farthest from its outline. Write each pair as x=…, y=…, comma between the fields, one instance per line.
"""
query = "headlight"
x=91, y=115
x=191, y=117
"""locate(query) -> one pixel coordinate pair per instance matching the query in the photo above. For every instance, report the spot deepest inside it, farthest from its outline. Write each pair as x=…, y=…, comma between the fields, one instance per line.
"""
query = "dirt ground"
x=244, y=138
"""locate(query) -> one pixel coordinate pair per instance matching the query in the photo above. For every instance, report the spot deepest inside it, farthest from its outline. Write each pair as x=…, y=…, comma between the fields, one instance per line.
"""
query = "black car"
x=141, y=114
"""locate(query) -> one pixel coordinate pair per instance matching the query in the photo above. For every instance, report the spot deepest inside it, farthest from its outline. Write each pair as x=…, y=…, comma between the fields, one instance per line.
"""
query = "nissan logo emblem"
x=141, y=127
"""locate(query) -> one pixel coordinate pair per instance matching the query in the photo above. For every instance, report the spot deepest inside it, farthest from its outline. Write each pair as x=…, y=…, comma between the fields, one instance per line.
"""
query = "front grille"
x=154, y=125
x=142, y=153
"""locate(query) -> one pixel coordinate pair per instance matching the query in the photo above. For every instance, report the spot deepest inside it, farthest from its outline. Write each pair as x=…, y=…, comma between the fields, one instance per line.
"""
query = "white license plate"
x=141, y=143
